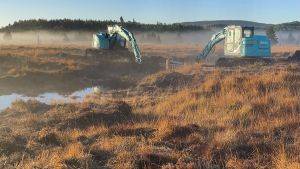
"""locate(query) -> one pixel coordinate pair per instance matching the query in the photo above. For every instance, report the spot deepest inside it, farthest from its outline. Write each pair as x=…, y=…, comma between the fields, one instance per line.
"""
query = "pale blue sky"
x=151, y=11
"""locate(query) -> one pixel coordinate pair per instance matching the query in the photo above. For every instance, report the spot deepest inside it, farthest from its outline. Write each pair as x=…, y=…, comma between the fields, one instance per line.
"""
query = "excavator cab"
x=241, y=42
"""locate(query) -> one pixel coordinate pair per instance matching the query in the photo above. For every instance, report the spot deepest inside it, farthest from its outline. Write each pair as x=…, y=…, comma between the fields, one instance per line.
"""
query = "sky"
x=151, y=11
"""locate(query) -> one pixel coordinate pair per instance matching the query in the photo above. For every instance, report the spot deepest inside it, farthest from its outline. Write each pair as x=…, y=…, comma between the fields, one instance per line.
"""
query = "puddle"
x=48, y=98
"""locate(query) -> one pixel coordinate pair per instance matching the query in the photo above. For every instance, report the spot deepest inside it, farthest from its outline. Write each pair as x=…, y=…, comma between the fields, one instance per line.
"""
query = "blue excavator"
x=240, y=44
x=115, y=38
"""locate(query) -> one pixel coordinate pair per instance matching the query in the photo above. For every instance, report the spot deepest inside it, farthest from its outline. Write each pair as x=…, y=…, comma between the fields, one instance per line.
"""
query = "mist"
x=84, y=39
x=47, y=38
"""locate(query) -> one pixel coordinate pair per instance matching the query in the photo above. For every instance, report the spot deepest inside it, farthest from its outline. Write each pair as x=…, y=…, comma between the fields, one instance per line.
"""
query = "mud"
x=32, y=71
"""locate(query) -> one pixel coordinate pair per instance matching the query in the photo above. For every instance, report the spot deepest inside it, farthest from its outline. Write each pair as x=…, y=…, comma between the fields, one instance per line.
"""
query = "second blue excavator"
x=240, y=43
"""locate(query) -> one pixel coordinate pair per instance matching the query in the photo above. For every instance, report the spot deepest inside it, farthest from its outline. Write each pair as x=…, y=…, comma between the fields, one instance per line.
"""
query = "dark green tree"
x=94, y=25
x=271, y=33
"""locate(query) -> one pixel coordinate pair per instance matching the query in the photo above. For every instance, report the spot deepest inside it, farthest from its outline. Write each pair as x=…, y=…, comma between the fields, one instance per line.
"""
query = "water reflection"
x=48, y=98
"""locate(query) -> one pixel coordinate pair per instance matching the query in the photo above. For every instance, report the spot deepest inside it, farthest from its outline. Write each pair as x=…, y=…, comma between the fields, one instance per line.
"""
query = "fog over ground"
x=85, y=38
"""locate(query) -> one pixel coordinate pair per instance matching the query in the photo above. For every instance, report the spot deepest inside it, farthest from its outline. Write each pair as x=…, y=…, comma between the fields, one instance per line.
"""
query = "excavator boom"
x=216, y=38
x=129, y=37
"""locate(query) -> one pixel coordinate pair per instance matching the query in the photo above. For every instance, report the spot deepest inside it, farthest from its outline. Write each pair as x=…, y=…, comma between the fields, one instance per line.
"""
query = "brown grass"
x=285, y=48
x=223, y=118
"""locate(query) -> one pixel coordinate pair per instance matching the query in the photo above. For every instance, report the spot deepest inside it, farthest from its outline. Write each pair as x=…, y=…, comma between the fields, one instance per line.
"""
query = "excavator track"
x=233, y=62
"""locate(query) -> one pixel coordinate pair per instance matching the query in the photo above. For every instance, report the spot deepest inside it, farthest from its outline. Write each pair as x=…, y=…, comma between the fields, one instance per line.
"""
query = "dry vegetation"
x=194, y=117
x=228, y=119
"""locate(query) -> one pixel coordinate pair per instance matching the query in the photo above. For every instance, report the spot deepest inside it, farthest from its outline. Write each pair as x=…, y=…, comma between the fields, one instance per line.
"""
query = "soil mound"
x=172, y=80
x=93, y=115
x=167, y=80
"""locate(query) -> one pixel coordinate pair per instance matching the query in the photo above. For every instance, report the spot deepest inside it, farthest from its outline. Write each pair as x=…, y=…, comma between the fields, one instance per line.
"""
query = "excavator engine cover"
x=256, y=46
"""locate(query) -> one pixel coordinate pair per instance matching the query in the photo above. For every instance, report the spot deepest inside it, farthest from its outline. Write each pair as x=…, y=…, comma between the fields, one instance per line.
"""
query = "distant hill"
x=288, y=26
x=92, y=25
x=224, y=23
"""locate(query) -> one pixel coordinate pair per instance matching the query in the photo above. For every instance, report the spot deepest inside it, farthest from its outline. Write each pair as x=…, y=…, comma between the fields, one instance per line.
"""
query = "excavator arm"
x=216, y=38
x=129, y=37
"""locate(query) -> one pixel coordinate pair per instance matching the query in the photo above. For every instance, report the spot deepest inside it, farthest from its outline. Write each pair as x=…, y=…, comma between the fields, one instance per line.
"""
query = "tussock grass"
x=227, y=119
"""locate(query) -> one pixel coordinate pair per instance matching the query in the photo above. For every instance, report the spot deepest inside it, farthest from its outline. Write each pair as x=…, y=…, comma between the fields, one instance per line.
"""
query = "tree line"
x=92, y=25
x=288, y=26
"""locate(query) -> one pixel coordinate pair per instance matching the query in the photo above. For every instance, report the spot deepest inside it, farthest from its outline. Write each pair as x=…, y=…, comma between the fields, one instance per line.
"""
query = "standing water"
x=47, y=98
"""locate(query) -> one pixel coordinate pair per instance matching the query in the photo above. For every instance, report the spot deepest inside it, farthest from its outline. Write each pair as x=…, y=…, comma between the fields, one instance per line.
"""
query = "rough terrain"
x=196, y=116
